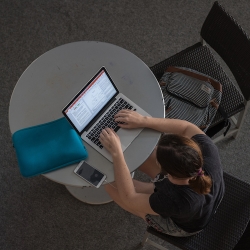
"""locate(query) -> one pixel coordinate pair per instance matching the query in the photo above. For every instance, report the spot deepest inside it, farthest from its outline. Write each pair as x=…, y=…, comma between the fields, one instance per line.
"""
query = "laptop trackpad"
x=127, y=136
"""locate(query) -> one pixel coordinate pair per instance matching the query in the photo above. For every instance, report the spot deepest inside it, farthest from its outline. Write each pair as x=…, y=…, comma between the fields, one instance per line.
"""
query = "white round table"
x=51, y=81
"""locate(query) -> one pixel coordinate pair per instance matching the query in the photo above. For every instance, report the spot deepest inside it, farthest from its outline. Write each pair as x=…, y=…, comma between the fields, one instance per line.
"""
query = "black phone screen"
x=90, y=174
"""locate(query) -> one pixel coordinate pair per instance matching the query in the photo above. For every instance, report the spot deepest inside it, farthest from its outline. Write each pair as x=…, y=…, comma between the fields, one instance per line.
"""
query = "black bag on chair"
x=190, y=95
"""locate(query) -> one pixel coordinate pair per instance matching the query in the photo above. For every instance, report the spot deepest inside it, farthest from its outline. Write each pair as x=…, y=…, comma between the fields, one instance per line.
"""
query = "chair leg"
x=203, y=42
x=238, y=124
x=145, y=238
x=150, y=242
x=241, y=119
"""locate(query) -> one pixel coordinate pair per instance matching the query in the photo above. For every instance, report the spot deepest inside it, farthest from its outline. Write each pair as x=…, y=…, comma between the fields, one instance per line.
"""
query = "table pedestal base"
x=90, y=195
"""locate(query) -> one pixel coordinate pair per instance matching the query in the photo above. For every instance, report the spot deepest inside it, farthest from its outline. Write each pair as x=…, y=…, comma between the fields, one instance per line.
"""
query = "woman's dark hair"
x=181, y=157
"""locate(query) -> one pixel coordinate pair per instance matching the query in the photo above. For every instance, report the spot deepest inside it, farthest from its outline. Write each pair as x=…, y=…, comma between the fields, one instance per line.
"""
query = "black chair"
x=222, y=33
x=226, y=227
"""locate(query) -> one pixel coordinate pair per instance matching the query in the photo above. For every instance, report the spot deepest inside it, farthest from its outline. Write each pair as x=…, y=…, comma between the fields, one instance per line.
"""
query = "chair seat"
x=199, y=57
x=228, y=223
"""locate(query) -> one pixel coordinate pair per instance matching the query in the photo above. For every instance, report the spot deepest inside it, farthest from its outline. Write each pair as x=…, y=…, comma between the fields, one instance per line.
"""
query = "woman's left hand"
x=111, y=141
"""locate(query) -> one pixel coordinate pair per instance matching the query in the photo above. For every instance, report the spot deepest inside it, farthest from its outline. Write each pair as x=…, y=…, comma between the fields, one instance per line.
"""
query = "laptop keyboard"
x=108, y=121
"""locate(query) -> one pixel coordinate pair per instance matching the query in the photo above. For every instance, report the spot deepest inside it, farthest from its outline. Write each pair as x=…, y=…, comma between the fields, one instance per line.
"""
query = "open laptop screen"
x=87, y=104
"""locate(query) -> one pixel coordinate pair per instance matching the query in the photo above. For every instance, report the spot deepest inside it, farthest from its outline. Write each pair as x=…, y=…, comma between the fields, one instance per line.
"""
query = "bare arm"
x=132, y=119
x=134, y=200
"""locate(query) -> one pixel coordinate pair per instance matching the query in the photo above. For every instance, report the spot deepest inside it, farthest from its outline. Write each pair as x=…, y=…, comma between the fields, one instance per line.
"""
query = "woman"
x=186, y=171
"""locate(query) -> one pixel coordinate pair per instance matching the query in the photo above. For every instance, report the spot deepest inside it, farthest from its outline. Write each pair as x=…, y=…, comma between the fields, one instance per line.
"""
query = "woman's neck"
x=178, y=181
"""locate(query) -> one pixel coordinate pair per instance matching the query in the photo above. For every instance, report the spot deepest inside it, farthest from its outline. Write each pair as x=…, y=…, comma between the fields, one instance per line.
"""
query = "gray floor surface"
x=36, y=213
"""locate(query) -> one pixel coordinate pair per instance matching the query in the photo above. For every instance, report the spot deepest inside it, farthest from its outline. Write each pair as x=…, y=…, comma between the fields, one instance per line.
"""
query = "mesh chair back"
x=227, y=38
x=227, y=225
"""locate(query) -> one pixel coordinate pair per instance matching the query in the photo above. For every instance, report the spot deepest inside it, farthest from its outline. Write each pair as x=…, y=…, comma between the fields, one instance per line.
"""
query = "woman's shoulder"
x=212, y=163
x=202, y=138
x=206, y=144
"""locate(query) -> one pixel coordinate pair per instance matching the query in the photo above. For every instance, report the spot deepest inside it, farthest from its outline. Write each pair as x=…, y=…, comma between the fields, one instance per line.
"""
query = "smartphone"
x=90, y=174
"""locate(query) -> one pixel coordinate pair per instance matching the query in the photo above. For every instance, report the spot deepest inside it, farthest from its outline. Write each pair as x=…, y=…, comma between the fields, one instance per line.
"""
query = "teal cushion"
x=47, y=147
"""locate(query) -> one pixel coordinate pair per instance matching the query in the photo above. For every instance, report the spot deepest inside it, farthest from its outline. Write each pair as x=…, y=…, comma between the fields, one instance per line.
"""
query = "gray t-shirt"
x=189, y=210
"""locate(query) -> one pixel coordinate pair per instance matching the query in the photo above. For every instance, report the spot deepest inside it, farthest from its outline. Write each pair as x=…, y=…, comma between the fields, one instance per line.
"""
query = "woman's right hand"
x=111, y=141
x=129, y=119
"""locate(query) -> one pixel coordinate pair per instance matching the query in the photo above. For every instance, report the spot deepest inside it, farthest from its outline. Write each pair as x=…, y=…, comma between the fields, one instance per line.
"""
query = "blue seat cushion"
x=47, y=147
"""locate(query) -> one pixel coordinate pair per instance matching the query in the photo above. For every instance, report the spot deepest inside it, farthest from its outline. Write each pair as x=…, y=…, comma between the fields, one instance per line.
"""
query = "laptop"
x=93, y=109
